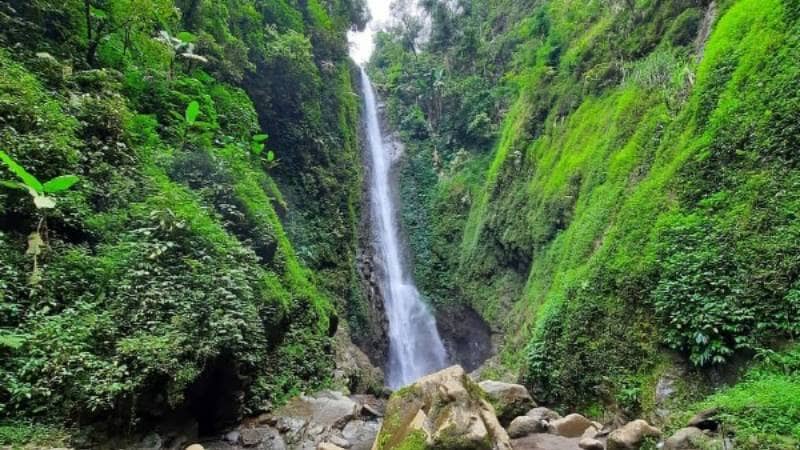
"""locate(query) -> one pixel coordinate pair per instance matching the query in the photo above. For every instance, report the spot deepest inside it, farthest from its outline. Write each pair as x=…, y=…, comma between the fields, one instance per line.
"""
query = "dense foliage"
x=604, y=180
x=165, y=279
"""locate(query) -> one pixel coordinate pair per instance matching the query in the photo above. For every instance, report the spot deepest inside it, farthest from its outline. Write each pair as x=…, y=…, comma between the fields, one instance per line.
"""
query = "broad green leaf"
x=12, y=184
x=187, y=37
x=270, y=156
x=44, y=202
x=260, y=138
x=30, y=180
x=257, y=148
x=61, y=183
x=11, y=341
x=192, y=111
x=98, y=13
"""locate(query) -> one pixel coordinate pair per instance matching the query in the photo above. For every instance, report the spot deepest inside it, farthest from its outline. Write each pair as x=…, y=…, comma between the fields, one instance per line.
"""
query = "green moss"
x=635, y=197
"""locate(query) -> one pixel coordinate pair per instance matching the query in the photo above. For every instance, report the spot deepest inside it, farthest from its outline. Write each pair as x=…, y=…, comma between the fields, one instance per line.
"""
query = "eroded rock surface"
x=509, y=400
x=442, y=411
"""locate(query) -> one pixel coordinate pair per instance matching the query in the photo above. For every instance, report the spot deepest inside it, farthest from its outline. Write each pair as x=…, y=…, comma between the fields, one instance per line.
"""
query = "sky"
x=361, y=43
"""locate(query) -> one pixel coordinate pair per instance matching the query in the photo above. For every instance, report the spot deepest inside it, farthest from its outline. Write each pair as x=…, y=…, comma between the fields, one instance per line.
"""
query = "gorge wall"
x=611, y=184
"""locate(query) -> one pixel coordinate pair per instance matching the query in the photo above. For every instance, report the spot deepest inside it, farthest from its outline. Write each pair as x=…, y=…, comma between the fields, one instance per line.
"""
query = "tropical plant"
x=41, y=193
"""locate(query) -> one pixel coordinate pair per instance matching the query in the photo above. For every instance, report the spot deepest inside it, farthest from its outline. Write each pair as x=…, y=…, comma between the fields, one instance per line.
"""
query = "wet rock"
x=525, y=425
x=361, y=434
x=442, y=411
x=571, y=426
x=689, y=438
x=232, y=437
x=509, y=400
x=354, y=371
x=631, y=436
x=591, y=444
x=705, y=420
x=328, y=409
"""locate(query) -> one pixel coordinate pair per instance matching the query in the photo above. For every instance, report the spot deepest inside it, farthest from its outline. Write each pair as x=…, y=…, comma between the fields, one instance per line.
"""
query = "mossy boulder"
x=443, y=411
x=509, y=400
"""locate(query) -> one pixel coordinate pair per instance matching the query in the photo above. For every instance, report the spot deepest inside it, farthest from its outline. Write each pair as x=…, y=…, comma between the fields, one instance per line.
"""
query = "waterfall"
x=415, y=348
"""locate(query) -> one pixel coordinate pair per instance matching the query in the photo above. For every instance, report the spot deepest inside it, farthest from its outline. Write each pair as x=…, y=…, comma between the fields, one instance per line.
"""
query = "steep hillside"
x=607, y=182
x=175, y=275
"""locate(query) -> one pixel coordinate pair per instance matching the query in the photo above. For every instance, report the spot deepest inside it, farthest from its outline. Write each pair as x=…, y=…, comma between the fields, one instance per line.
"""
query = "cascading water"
x=415, y=347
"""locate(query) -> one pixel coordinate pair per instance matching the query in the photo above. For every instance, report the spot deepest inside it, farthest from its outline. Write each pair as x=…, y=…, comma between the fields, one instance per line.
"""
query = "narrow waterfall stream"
x=415, y=347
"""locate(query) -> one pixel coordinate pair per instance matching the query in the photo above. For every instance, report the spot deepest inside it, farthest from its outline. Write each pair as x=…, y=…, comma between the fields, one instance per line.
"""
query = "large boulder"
x=631, y=436
x=509, y=400
x=307, y=421
x=571, y=426
x=525, y=425
x=442, y=411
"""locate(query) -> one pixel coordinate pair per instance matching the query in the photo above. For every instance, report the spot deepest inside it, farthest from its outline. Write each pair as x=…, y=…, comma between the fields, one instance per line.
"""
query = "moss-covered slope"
x=168, y=278
x=641, y=193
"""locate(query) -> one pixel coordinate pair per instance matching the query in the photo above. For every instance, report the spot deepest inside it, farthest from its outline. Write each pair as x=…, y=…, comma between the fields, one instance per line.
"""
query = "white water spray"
x=415, y=348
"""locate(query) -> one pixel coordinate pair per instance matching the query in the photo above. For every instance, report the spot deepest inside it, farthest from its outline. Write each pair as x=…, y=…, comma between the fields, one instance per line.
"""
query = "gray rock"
x=571, y=426
x=591, y=444
x=543, y=414
x=361, y=434
x=339, y=441
x=250, y=437
x=272, y=440
x=328, y=446
x=509, y=400
x=232, y=437
x=525, y=425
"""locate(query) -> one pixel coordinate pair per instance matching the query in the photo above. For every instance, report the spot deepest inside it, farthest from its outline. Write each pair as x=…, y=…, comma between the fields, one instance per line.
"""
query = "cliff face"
x=605, y=181
x=205, y=256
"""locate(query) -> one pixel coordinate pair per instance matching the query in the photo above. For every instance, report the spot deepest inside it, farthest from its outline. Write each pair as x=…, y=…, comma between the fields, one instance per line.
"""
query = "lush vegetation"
x=195, y=244
x=606, y=180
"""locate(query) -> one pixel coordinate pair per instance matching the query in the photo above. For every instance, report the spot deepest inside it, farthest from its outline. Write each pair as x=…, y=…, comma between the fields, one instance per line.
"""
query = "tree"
x=106, y=17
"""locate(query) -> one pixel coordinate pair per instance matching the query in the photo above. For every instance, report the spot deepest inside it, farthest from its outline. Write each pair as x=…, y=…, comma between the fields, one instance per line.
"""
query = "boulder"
x=543, y=414
x=195, y=447
x=591, y=432
x=631, y=436
x=705, y=420
x=525, y=425
x=307, y=421
x=689, y=438
x=361, y=434
x=571, y=426
x=251, y=437
x=442, y=411
x=591, y=444
x=509, y=400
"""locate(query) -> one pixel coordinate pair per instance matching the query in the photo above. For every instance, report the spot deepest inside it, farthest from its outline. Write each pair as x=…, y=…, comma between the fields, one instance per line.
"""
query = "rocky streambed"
x=447, y=410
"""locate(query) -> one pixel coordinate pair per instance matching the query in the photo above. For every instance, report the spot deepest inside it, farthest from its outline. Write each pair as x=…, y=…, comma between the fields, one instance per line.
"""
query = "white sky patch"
x=362, y=44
